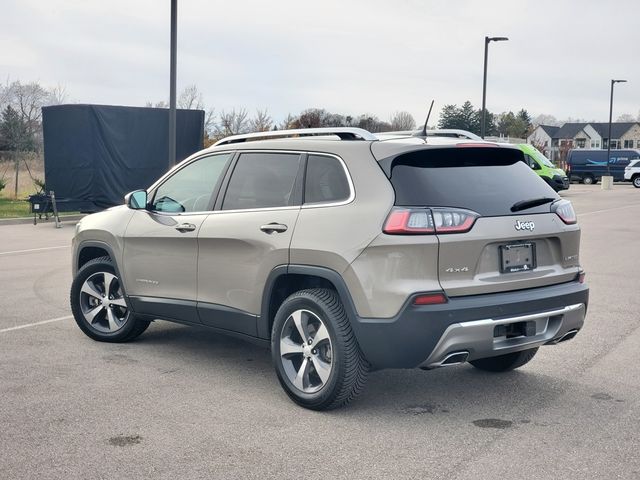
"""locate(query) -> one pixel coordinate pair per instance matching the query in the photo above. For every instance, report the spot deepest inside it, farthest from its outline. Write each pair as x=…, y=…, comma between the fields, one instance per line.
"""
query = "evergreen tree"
x=15, y=134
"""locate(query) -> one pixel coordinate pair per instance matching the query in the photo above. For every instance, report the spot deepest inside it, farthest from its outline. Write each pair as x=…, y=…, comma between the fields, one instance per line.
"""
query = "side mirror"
x=136, y=200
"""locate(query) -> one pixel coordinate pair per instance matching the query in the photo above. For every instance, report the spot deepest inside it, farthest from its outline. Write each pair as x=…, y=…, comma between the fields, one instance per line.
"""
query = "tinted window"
x=326, y=180
x=486, y=180
x=191, y=188
x=262, y=180
x=531, y=162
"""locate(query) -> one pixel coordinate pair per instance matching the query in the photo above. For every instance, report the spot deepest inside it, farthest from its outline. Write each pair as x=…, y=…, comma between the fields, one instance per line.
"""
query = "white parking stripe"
x=28, y=325
x=34, y=250
x=609, y=209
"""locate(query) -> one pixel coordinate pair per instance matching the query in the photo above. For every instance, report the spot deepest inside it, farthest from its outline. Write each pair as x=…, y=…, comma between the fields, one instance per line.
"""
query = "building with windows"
x=555, y=142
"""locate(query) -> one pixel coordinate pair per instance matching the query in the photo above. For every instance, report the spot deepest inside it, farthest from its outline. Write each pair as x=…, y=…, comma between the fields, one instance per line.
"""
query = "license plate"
x=517, y=257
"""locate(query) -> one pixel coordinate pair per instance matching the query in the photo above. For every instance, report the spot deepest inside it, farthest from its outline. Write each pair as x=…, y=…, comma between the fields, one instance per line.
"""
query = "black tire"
x=129, y=327
x=349, y=368
x=636, y=181
x=505, y=363
x=588, y=180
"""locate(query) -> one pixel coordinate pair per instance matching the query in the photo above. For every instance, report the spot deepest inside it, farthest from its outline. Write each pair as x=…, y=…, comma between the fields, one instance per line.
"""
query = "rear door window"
x=326, y=180
x=486, y=180
x=262, y=180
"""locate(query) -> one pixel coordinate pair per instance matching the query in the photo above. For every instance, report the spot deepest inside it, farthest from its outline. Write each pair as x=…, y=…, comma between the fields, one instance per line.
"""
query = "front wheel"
x=636, y=181
x=505, y=363
x=98, y=304
x=588, y=180
x=316, y=355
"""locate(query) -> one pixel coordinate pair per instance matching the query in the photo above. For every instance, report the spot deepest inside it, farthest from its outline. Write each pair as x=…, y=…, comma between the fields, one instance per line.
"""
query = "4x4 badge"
x=525, y=225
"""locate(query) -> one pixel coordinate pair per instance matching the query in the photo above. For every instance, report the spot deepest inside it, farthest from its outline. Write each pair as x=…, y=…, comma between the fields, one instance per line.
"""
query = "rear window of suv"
x=483, y=179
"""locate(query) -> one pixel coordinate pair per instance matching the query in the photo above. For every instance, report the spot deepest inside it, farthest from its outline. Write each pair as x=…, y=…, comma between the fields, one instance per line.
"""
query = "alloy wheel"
x=102, y=302
x=306, y=351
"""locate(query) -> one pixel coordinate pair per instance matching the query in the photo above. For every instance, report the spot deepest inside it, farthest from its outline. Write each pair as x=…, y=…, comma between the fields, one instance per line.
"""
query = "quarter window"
x=191, y=188
x=262, y=180
x=326, y=180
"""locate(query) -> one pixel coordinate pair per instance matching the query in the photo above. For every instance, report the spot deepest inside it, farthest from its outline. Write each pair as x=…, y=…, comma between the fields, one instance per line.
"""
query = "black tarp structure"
x=97, y=153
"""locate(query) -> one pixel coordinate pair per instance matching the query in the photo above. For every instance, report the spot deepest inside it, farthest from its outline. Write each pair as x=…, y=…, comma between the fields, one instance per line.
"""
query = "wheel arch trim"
x=104, y=246
x=264, y=322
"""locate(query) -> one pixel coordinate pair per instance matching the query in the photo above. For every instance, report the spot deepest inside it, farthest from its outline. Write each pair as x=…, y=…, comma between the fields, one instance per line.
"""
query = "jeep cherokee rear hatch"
x=499, y=226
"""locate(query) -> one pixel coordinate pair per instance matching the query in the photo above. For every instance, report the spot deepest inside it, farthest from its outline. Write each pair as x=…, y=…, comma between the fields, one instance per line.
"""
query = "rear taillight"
x=581, y=276
x=565, y=211
x=425, y=221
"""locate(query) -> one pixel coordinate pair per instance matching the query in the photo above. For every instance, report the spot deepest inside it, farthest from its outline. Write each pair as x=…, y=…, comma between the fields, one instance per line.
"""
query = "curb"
x=29, y=220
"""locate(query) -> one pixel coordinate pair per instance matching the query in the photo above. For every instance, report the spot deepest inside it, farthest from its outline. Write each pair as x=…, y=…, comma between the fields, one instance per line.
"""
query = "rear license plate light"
x=517, y=257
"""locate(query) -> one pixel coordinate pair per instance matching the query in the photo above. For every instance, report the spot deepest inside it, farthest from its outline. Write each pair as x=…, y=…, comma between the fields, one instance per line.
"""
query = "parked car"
x=588, y=166
x=344, y=254
x=632, y=173
x=555, y=177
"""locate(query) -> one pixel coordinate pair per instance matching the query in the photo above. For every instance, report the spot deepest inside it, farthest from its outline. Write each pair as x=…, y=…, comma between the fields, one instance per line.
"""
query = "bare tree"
x=232, y=123
x=546, y=119
x=372, y=123
x=262, y=122
x=402, y=121
x=626, y=117
x=190, y=98
x=288, y=123
x=58, y=95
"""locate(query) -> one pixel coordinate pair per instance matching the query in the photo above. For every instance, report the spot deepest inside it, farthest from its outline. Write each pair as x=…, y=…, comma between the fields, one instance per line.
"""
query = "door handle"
x=186, y=227
x=273, y=227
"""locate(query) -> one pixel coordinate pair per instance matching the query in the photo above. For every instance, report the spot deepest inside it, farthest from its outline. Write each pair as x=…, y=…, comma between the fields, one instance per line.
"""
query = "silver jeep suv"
x=345, y=252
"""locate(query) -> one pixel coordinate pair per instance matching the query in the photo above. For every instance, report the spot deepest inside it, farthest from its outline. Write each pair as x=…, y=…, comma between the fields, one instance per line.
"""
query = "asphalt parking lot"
x=187, y=403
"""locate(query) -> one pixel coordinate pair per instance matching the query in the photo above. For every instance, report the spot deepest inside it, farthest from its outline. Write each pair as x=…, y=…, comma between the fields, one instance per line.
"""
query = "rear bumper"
x=426, y=336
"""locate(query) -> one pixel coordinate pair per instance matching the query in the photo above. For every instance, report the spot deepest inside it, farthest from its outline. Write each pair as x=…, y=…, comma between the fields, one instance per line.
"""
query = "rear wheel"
x=588, y=180
x=505, y=363
x=316, y=355
x=99, y=306
x=636, y=181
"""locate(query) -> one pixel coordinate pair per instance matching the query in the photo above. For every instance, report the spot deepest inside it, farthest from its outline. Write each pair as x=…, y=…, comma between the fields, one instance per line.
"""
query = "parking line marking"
x=34, y=250
x=28, y=325
x=609, y=209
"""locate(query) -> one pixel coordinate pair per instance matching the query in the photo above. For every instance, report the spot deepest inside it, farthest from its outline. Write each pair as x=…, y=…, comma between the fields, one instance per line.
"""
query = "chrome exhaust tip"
x=455, y=358
x=567, y=336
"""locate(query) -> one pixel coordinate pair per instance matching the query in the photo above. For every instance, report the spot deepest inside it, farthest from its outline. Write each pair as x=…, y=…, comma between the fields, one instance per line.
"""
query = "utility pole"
x=483, y=119
x=172, y=83
x=613, y=82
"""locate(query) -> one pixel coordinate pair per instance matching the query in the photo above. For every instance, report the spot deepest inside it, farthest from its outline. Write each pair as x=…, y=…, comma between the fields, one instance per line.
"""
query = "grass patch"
x=13, y=208
x=10, y=208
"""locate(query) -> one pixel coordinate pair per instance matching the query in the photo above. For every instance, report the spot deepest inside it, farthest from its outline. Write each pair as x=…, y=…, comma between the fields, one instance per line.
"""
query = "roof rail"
x=453, y=132
x=345, y=133
x=445, y=132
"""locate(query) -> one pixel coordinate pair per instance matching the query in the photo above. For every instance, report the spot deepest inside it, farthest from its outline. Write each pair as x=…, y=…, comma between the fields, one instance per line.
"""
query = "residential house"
x=542, y=137
x=584, y=135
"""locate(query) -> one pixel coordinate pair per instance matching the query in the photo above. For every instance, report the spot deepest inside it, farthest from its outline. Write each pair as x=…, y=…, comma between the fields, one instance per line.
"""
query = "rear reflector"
x=581, y=276
x=430, y=299
x=416, y=221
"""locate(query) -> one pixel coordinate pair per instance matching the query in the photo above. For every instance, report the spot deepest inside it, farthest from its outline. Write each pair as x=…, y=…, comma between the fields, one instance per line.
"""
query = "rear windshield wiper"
x=533, y=202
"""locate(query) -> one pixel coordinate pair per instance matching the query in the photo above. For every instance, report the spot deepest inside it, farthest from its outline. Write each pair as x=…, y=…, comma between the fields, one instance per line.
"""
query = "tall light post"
x=613, y=82
x=483, y=120
x=172, y=83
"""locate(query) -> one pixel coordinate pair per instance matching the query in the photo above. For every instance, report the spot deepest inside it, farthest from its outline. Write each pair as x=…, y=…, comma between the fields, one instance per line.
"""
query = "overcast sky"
x=347, y=56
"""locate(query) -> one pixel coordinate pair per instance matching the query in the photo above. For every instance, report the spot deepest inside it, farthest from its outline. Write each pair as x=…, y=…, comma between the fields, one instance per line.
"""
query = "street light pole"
x=172, y=83
x=613, y=82
x=483, y=119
